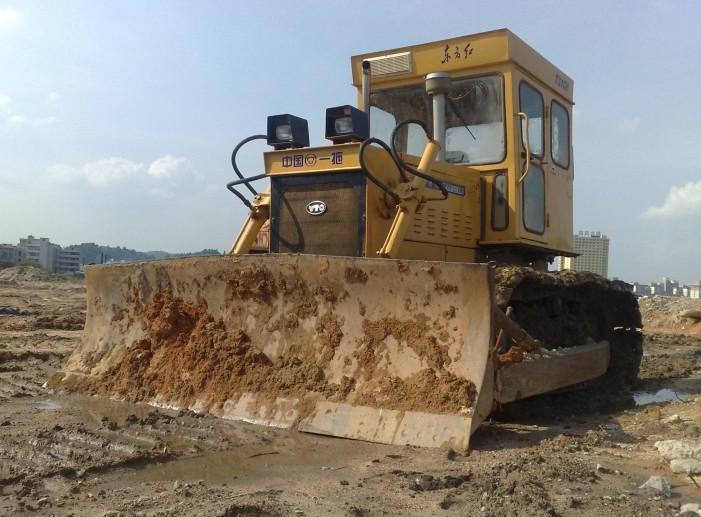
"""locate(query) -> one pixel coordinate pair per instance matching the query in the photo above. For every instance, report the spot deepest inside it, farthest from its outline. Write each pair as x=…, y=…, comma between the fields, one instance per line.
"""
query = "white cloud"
x=9, y=17
x=681, y=201
x=14, y=119
x=106, y=171
x=21, y=120
x=102, y=172
x=168, y=166
x=630, y=124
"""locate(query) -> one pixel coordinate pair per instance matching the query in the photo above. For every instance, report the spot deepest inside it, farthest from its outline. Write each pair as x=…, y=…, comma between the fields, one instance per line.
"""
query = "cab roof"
x=459, y=55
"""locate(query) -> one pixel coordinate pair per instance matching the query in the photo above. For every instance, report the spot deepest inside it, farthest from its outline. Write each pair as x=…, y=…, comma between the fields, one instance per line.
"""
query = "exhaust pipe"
x=365, y=90
x=437, y=86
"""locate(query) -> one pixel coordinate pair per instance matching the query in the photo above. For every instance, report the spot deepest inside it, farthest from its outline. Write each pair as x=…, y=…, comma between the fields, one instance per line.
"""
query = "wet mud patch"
x=355, y=275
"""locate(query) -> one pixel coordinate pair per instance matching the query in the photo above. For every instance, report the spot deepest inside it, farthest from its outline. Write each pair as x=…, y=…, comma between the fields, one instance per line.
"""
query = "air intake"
x=390, y=64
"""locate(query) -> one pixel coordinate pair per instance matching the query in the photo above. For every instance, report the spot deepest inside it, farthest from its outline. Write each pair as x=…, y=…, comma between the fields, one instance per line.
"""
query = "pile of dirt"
x=16, y=274
x=676, y=356
x=663, y=314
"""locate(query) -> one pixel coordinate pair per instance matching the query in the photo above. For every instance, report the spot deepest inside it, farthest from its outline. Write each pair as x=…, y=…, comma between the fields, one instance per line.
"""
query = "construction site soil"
x=69, y=454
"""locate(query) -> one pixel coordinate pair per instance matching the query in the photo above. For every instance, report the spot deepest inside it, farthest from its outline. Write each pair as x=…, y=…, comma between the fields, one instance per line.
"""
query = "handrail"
x=523, y=116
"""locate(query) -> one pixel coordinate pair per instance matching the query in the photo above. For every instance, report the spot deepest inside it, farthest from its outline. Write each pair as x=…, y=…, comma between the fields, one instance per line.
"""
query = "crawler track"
x=567, y=308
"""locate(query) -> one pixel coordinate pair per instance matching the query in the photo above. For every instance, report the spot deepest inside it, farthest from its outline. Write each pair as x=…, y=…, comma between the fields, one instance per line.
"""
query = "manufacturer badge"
x=316, y=208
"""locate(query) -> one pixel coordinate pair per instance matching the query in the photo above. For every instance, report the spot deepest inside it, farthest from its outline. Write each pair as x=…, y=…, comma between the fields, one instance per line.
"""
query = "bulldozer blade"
x=390, y=351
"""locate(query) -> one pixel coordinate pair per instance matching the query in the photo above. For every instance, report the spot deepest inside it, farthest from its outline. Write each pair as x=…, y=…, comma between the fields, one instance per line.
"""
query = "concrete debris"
x=690, y=508
x=688, y=466
x=679, y=449
x=673, y=419
x=658, y=484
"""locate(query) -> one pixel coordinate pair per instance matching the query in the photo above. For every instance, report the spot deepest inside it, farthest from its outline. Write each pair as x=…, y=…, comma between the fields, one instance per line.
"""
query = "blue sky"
x=117, y=119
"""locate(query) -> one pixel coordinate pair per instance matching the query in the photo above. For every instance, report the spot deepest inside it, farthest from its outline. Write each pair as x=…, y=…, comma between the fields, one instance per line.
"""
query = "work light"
x=346, y=124
x=287, y=131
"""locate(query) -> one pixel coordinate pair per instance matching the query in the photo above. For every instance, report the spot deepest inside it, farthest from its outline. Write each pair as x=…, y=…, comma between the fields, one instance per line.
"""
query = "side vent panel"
x=390, y=64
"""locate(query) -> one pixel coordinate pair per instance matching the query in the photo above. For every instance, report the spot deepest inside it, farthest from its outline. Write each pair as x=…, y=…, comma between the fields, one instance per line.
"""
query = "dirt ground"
x=77, y=455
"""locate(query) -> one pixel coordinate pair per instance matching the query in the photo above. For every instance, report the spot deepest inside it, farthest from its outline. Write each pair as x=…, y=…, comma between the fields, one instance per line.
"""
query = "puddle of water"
x=284, y=458
x=47, y=405
x=642, y=398
x=680, y=390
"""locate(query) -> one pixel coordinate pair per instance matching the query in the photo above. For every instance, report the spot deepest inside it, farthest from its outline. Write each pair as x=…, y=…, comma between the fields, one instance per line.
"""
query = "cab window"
x=475, y=129
x=531, y=102
x=388, y=107
x=560, y=135
x=500, y=209
x=475, y=121
x=534, y=200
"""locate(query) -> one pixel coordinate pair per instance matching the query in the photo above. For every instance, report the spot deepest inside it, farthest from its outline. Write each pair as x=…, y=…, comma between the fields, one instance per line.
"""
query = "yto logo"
x=316, y=208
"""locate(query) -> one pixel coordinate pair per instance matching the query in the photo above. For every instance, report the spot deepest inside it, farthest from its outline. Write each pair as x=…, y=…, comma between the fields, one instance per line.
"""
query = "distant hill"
x=91, y=253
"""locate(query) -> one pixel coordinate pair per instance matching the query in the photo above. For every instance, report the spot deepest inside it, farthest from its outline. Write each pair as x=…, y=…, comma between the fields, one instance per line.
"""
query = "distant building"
x=563, y=263
x=66, y=261
x=695, y=291
x=668, y=287
x=10, y=255
x=641, y=289
x=593, y=250
x=38, y=250
x=48, y=255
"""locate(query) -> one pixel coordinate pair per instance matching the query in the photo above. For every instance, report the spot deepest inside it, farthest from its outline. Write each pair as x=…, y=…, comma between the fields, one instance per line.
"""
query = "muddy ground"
x=75, y=455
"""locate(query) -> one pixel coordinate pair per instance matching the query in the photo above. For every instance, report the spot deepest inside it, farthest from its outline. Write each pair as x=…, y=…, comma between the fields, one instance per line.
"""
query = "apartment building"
x=48, y=255
x=593, y=254
x=10, y=255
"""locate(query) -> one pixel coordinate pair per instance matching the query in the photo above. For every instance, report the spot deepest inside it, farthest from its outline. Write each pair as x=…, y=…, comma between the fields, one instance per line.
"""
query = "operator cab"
x=506, y=112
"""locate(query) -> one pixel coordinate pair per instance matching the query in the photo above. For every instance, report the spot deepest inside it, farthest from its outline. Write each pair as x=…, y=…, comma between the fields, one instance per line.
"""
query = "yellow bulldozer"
x=391, y=286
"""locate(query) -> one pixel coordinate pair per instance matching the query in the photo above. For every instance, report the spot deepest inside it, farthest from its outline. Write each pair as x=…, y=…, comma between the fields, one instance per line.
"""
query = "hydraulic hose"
x=406, y=166
x=230, y=186
x=233, y=160
x=366, y=171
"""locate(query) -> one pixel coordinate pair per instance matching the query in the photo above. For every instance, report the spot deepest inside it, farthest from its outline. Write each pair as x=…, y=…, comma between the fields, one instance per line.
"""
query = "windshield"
x=474, y=119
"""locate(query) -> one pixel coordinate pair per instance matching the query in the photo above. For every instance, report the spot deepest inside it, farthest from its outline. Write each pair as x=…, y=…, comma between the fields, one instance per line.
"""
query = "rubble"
x=679, y=449
x=690, y=508
x=658, y=484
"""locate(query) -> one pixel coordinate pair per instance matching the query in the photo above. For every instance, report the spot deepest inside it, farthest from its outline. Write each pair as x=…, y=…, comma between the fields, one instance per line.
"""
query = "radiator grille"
x=338, y=231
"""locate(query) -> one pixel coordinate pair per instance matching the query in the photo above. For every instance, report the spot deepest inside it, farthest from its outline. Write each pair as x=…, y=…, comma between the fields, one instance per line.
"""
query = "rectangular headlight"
x=287, y=131
x=346, y=124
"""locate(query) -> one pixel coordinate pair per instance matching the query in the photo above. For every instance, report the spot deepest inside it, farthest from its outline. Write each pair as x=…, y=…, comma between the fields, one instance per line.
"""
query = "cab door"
x=532, y=180
x=560, y=176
